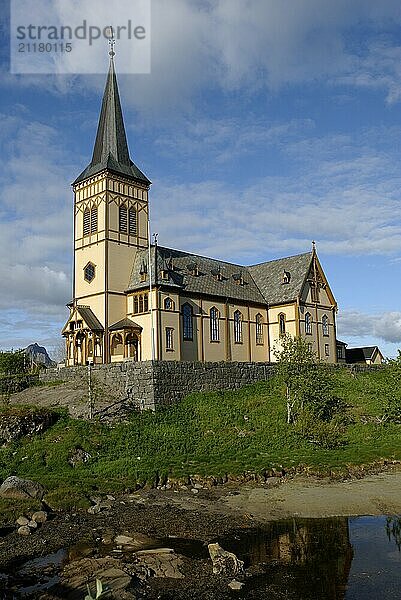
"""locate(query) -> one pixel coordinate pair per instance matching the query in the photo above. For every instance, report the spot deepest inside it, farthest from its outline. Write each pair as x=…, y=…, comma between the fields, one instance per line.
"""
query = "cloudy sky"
x=264, y=125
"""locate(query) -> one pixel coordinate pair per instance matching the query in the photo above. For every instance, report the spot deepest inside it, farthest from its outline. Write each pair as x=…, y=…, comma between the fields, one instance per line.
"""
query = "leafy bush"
x=326, y=434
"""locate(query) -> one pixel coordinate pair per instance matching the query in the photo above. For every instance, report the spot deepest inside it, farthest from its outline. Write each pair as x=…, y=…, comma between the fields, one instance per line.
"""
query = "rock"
x=78, y=456
x=198, y=486
x=94, y=510
x=22, y=521
x=224, y=562
x=15, y=425
x=123, y=540
x=16, y=488
x=39, y=516
x=162, y=562
x=32, y=525
x=111, y=572
x=109, y=497
x=24, y=530
x=195, y=491
x=236, y=585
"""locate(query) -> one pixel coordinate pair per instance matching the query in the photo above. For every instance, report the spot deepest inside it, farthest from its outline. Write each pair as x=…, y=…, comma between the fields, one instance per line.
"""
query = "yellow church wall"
x=240, y=351
x=259, y=352
x=120, y=260
x=213, y=351
x=94, y=254
x=191, y=350
x=290, y=312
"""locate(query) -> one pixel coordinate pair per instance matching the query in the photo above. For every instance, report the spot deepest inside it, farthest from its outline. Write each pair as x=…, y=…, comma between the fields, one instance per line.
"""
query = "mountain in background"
x=38, y=354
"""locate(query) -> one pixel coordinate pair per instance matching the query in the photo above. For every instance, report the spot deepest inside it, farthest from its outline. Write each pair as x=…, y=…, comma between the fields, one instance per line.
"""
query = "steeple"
x=111, y=147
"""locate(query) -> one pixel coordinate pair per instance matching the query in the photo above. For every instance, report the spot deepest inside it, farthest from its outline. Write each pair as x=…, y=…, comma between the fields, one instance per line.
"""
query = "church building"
x=137, y=301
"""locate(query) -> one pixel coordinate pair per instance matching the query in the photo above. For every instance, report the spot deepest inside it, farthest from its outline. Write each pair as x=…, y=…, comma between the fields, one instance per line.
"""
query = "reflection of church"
x=132, y=303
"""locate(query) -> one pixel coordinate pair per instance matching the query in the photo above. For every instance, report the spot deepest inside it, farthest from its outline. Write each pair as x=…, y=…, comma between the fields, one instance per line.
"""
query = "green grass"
x=206, y=434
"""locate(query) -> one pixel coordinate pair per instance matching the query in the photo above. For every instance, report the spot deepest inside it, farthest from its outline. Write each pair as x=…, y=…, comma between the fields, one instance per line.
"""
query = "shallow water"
x=301, y=559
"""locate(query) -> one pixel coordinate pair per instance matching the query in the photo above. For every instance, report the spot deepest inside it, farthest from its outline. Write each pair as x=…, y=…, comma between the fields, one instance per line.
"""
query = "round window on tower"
x=89, y=272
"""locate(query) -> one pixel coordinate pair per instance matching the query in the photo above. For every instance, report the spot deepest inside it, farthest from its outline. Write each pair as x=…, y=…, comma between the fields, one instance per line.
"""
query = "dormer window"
x=286, y=277
x=238, y=278
x=217, y=274
x=143, y=272
x=165, y=274
x=193, y=269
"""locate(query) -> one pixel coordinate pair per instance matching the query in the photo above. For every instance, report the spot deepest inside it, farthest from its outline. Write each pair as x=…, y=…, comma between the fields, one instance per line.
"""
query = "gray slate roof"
x=124, y=324
x=261, y=283
x=360, y=354
x=111, y=147
x=269, y=277
x=90, y=318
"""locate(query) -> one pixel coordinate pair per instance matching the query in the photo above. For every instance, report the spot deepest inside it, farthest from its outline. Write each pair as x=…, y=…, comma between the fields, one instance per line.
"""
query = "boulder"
x=110, y=571
x=14, y=425
x=16, y=488
x=235, y=585
x=24, y=530
x=22, y=521
x=224, y=562
x=161, y=562
x=39, y=516
x=78, y=456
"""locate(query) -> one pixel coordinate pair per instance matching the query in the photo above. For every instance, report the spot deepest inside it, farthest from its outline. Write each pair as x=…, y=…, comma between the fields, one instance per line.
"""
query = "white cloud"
x=248, y=44
x=384, y=326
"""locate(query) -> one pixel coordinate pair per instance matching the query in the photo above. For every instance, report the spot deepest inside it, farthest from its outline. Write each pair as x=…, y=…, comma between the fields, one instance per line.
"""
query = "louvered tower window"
x=123, y=222
x=87, y=221
x=94, y=219
x=132, y=219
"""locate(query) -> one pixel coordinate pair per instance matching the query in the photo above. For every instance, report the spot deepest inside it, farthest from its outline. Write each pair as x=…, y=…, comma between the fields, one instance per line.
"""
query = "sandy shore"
x=303, y=497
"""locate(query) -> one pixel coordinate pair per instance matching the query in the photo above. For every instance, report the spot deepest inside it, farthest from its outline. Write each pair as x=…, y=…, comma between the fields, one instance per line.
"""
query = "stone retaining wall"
x=147, y=385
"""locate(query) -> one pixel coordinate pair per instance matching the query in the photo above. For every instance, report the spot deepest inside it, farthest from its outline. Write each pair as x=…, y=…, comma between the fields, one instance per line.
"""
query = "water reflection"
x=301, y=558
x=298, y=559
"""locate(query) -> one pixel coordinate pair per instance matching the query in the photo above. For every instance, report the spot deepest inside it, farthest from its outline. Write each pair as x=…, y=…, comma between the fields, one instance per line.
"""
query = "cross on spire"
x=112, y=42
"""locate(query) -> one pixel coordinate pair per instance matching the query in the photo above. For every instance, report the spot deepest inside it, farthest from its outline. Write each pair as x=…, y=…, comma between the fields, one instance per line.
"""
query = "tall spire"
x=111, y=147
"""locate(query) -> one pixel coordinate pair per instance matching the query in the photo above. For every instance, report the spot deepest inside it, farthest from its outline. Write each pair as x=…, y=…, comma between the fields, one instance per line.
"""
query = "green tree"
x=389, y=390
x=13, y=362
x=295, y=364
x=309, y=392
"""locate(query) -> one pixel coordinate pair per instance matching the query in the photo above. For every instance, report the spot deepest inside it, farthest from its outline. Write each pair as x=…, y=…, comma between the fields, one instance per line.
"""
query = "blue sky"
x=264, y=125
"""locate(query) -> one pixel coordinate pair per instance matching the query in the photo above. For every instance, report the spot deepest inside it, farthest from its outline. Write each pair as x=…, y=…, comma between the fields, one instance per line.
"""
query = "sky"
x=263, y=125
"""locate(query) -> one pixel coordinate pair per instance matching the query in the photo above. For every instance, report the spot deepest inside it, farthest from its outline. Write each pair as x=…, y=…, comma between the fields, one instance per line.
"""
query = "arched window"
x=259, y=329
x=214, y=324
x=238, y=327
x=132, y=221
x=308, y=324
x=325, y=325
x=187, y=328
x=117, y=348
x=94, y=219
x=87, y=221
x=168, y=304
x=281, y=321
x=122, y=219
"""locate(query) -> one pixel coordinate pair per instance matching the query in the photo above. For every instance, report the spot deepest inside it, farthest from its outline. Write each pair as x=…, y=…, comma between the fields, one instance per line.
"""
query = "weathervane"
x=112, y=42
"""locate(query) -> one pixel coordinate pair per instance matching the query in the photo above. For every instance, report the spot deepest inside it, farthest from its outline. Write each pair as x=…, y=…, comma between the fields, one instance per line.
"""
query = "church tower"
x=110, y=224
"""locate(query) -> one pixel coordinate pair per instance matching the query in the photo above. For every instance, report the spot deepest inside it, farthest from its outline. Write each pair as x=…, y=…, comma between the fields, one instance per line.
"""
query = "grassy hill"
x=207, y=434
